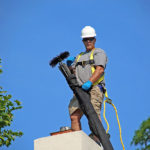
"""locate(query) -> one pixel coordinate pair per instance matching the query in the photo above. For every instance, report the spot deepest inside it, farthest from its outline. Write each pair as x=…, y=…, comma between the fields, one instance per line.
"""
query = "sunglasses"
x=90, y=39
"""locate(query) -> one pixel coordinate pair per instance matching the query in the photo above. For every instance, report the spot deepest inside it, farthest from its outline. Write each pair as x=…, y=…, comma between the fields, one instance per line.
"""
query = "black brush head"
x=59, y=58
x=64, y=55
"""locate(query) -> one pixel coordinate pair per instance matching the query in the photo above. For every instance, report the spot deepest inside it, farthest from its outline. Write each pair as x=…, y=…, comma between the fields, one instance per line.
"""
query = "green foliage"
x=142, y=136
x=0, y=67
x=7, y=106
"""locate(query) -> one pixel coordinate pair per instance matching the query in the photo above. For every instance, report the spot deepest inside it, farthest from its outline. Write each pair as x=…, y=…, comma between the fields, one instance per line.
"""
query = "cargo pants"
x=96, y=100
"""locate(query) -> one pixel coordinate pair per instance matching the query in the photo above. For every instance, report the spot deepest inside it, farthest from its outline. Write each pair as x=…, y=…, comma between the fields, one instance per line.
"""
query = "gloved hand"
x=70, y=60
x=87, y=85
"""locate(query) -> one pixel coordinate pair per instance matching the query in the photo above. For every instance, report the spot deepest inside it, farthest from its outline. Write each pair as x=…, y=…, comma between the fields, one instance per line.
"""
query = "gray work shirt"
x=83, y=73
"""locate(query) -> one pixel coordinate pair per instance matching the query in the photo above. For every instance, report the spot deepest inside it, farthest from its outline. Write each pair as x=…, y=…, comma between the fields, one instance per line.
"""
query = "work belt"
x=102, y=88
x=83, y=63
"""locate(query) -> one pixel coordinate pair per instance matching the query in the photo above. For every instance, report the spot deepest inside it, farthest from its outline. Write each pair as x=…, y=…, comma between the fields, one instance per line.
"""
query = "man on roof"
x=89, y=69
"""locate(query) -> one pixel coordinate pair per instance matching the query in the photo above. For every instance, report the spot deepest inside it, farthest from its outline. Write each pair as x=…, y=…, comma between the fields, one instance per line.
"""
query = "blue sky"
x=33, y=32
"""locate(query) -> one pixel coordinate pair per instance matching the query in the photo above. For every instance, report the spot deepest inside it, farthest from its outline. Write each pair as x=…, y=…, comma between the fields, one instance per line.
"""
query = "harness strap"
x=83, y=63
x=93, y=69
x=79, y=56
x=92, y=65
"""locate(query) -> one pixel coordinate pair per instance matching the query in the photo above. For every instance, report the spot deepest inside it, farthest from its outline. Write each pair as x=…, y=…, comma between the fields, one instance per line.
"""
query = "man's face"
x=89, y=43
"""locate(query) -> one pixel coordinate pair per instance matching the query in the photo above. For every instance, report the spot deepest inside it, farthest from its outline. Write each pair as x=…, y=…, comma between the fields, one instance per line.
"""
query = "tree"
x=142, y=136
x=7, y=106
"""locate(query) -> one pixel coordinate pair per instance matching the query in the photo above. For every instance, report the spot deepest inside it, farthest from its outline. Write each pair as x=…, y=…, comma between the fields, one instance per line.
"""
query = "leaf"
x=7, y=123
x=19, y=107
x=1, y=143
x=8, y=142
x=10, y=103
x=3, y=92
x=2, y=138
x=9, y=96
x=1, y=71
x=18, y=102
x=20, y=134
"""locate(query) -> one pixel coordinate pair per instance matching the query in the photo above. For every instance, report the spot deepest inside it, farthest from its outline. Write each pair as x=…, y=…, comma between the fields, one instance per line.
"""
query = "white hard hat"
x=88, y=31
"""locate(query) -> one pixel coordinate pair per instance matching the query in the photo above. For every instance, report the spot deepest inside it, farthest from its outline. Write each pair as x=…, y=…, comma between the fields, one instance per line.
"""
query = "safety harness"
x=108, y=100
x=91, y=62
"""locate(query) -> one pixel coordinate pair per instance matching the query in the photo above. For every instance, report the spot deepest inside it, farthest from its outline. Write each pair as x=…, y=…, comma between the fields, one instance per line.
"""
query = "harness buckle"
x=108, y=100
x=83, y=63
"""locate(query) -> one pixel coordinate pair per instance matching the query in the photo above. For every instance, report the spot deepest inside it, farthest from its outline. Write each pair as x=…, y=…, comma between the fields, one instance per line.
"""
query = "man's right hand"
x=70, y=60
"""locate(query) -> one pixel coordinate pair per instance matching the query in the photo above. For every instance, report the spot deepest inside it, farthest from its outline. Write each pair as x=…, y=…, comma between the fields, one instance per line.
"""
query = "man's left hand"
x=87, y=85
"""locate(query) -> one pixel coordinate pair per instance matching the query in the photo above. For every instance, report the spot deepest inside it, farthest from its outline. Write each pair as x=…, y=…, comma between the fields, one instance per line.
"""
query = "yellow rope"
x=108, y=101
x=105, y=118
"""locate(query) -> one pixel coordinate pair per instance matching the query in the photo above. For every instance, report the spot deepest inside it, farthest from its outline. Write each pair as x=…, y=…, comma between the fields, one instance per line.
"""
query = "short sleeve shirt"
x=83, y=73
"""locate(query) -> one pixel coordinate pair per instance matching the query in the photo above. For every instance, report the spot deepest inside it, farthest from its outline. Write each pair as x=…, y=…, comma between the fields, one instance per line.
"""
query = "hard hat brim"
x=87, y=36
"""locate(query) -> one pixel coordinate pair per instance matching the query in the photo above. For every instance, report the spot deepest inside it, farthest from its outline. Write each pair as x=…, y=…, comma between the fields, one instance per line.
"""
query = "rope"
x=110, y=102
x=105, y=118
